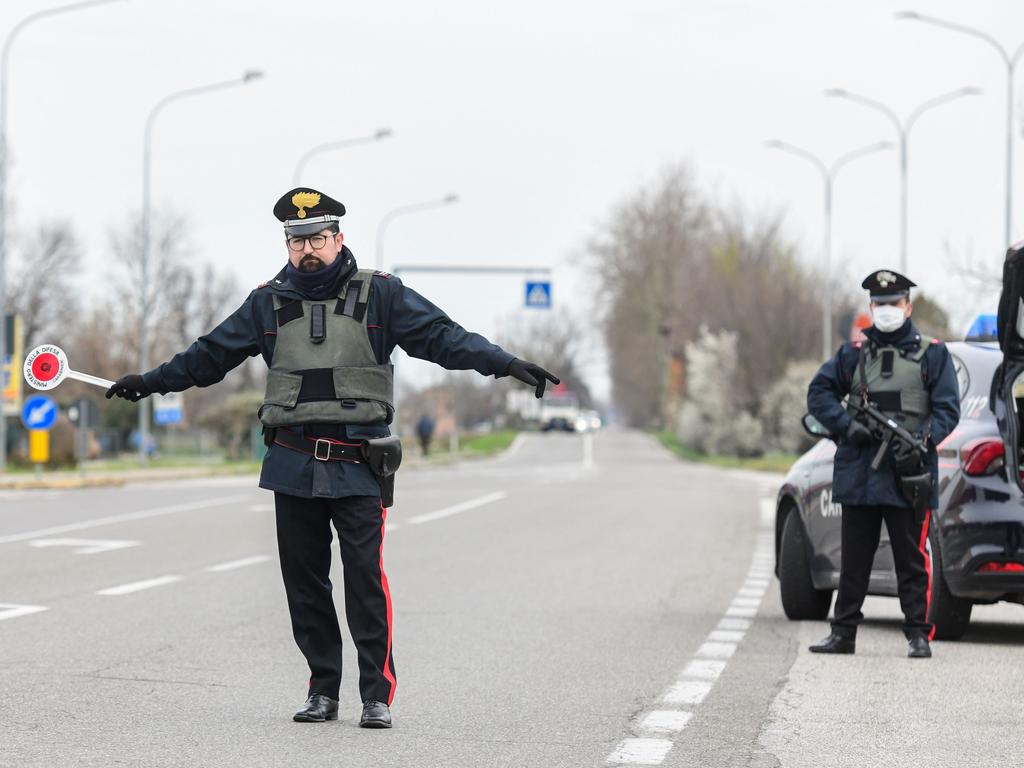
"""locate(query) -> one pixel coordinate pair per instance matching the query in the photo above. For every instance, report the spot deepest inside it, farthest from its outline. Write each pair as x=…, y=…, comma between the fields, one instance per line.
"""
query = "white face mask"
x=887, y=318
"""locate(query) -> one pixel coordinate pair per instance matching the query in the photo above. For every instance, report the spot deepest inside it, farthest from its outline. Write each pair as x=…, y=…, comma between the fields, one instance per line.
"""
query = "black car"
x=976, y=538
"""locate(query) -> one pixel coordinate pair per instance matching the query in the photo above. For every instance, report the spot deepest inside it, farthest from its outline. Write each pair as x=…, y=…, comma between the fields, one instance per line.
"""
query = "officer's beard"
x=311, y=264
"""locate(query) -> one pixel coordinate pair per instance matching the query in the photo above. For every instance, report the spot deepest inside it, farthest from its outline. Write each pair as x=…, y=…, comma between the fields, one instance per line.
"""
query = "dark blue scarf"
x=324, y=283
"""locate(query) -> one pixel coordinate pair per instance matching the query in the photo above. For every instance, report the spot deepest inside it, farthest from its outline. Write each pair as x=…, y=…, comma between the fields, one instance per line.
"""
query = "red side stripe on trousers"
x=387, y=597
x=923, y=546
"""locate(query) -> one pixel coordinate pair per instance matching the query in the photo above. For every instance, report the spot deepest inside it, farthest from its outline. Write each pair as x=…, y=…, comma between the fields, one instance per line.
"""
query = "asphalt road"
x=580, y=601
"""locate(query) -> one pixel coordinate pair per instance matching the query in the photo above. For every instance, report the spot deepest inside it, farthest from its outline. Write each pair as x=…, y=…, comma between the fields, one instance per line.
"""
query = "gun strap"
x=862, y=374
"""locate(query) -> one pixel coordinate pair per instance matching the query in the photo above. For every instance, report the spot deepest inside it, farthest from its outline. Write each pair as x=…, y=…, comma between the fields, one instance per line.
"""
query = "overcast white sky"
x=539, y=115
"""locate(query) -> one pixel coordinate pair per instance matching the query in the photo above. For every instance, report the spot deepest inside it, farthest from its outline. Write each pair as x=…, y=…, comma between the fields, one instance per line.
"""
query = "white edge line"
x=640, y=751
x=13, y=611
x=138, y=586
x=457, y=508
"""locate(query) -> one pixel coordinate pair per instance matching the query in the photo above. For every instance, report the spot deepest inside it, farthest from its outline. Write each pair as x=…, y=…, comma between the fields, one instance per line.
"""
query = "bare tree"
x=42, y=288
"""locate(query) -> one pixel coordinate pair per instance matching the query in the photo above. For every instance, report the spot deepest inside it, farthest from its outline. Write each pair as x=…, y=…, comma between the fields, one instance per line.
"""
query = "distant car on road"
x=976, y=541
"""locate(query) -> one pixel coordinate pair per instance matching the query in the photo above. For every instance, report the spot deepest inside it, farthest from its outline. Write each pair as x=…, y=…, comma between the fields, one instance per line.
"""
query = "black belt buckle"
x=316, y=449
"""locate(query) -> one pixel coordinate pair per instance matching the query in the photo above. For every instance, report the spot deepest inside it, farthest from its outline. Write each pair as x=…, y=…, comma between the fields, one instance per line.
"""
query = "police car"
x=976, y=540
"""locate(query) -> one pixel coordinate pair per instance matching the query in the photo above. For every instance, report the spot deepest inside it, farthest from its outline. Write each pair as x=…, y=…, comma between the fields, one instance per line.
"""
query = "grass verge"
x=770, y=462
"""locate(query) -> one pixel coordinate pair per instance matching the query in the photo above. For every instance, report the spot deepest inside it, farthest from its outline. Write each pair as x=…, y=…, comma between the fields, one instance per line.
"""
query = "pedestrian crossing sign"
x=538, y=294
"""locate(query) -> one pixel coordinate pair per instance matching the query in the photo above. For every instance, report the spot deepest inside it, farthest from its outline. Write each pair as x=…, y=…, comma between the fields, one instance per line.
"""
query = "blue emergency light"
x=984, y=328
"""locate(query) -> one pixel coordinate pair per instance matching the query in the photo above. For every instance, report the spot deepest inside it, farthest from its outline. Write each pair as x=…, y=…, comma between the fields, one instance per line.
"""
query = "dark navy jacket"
x=853, y=480
x=396, y=316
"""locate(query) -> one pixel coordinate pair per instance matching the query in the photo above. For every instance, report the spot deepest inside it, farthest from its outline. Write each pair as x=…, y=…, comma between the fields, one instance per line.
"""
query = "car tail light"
x=982, y=456
x=995, y=566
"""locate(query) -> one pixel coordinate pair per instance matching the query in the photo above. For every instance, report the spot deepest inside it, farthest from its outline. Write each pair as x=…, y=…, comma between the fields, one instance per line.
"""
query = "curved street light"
x=828, y=173
x=4, y=69
x=1011, y=60
x=247, y=77
x=381, y=133
x=903, y=129
x=391, y=215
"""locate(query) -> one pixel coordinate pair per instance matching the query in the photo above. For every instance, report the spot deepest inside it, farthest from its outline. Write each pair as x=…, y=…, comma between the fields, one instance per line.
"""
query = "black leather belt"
x=320, y=448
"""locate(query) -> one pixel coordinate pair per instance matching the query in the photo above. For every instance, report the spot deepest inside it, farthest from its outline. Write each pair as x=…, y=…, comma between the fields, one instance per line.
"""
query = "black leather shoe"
x=918, y=648
x=317, y=709
x=375, y=715
x=834, y=644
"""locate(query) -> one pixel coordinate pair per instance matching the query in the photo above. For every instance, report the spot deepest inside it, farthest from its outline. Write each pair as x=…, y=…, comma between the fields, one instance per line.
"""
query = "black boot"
x=375, y=715
x=918, y=648
x=835, y=644
x=317, y=709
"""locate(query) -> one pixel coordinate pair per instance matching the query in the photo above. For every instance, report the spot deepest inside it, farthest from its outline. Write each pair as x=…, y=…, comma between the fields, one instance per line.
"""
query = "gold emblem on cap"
x=303, y=200
x=884, y=278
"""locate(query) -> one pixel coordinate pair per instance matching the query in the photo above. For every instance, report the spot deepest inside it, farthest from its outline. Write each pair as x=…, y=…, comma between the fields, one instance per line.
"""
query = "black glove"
x=857, y=433
x=130, y=387
x=531, y=374
x=905, y=459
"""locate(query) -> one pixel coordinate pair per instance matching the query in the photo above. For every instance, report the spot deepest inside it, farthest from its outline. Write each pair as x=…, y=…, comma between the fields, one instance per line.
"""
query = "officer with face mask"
x=326, y=330
x=910, y=378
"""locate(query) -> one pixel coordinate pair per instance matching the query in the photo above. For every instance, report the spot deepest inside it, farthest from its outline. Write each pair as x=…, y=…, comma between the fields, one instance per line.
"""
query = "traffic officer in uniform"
x=326, y=330
x=910, y=378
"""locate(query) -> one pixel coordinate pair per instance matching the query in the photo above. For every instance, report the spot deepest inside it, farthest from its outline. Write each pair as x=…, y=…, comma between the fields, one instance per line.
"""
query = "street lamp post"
x=392, y=215
x=247, y=77
x=4, y=68
x=382, y=133
x=903, y=129
x=1011, y=60
x=828, y=174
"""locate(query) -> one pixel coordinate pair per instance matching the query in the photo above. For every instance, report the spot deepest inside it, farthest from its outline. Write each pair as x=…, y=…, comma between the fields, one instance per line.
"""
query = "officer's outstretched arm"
x=206, y=362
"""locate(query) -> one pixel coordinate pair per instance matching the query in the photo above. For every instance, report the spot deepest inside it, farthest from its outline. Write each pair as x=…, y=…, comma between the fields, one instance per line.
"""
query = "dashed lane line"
x=138, y=586
x=654, y=731
x=457, y=508
x=13, y=610
x=128, y=516
x=233, y=564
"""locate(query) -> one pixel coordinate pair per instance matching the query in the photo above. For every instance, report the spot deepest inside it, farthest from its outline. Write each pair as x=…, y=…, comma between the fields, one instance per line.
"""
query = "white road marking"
x=85, y=546
x=725, y=635
x=112, y=519
x=588, y=451
x=514, y=446
x=261, y=507
x=704, y=669
x=456, y=509
x=231, y=565
x=741, y=613
x=688, y=692
x=640, y=751
x=389, y=527
x=665, y=721
x=700, y=674
x=746, y=602
x=730, y=623
x=716, y=650
x=13, y=610
x=138, y=586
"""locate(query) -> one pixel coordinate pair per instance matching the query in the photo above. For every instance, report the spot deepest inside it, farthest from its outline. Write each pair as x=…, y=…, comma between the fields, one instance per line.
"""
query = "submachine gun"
x=910, y=454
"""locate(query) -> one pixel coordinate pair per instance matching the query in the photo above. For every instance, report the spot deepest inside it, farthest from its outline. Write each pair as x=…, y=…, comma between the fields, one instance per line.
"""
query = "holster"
x=917, y=489
x=383, y=456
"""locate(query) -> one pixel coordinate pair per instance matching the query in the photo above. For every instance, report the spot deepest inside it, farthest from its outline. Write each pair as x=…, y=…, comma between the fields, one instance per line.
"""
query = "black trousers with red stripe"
x=862, y=526
x=304, y=544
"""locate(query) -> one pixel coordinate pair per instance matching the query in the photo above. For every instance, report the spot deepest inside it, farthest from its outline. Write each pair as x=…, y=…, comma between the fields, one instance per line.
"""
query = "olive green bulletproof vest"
x=895, y=383
x=324, y=369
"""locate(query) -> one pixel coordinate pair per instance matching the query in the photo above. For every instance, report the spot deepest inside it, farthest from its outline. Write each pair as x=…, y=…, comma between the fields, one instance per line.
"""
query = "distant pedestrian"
x=425, y=431
x=326, y=330
x=911, y=380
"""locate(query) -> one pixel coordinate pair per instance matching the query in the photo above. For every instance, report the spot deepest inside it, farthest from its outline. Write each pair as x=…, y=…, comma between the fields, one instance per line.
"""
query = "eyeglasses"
x=316, y=242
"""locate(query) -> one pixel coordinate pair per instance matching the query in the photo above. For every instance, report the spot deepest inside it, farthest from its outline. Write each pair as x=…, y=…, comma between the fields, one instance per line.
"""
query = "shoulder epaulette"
x=381, y=273
x=936, y=341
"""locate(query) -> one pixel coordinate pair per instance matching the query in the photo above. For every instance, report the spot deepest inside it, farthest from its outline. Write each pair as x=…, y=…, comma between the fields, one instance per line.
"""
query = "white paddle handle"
x=106, y=383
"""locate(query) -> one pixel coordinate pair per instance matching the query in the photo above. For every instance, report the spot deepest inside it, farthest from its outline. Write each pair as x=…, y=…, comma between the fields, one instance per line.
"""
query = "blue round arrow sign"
x=39, y=412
